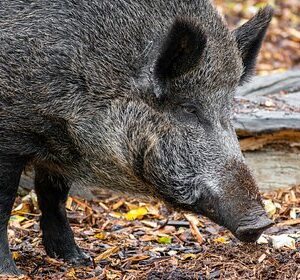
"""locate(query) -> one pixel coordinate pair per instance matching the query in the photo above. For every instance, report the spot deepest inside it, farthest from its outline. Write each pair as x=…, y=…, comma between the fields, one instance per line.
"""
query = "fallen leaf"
x=71, y=273
x=53, y=261
x=269, y=103
x=107, y=253
x=188, y=256
x=100, y=235
x=172, y=253
x=222, y=239
x=112, y=275
x=283, y=240
x=150, y=223
x=194, y=229
x=134, y=214
x=16, y=256
x=69, y=203
x=289, y=222
x=293, y=214
x=269, y=207
x=165, y=240
x=262, y=258
x=118, y=204
x=263, y=239
x=17, y=219
x=34, y=199
x=22, y=208
x=137, y=258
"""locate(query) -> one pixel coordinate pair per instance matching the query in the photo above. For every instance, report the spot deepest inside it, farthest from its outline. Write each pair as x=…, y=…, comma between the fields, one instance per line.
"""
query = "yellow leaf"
x=134, y=214
x=22, y=208
x=100, y=235
x=16, y=256
x=222, y=239
x=17, y=218
x=69, y=203
x=270, y=207
x=165, y=240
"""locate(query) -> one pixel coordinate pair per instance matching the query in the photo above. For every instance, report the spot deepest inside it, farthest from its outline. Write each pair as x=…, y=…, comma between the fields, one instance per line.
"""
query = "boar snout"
x=252, y=226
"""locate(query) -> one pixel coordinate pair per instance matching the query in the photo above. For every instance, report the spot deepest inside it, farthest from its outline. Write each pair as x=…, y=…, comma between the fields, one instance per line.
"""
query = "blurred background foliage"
x=281, y=49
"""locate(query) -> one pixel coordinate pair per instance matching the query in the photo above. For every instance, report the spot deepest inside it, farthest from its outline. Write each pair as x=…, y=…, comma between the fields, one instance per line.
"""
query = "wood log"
x=274, y=169
x=288, y=81
x=267, y=121
x=268, y=104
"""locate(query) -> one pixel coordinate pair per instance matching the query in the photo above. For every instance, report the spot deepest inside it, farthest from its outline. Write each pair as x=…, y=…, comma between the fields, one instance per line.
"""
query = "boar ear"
x=181, y=50
x=249, y=38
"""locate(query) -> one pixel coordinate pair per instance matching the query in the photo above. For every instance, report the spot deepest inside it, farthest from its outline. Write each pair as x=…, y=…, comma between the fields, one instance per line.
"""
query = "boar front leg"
x=52, y=192
x=10, y=171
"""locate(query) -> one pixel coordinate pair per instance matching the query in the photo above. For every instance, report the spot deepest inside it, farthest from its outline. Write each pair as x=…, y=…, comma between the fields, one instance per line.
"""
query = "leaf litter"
x=158, y=243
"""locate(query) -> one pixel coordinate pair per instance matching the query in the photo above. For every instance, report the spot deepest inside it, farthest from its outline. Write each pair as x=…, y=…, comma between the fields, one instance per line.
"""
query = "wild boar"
x=130, y=95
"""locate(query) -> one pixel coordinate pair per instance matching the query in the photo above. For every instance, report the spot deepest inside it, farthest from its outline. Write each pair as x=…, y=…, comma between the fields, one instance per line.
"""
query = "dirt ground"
x=138, y=239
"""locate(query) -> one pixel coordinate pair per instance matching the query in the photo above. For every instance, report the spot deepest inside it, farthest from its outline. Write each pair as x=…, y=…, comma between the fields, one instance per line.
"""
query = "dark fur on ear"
x=181, y=50
x=249, y=38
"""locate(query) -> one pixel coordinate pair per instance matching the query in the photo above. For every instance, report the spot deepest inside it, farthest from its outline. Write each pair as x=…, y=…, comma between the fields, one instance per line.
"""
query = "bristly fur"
x=134, y=96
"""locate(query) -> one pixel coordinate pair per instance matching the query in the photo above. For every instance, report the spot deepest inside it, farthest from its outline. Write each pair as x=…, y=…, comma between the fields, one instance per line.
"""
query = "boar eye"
x=190, y=109
x=188, y=113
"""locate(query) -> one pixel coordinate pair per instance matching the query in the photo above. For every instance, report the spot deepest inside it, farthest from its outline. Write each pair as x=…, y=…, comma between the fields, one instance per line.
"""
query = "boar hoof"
x=79, y=258
x=8, y=267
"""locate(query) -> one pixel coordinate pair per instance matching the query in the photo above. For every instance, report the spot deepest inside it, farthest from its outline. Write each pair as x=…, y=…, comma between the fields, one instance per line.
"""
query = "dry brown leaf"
x=262, y=258
x=107, y=253
x=289, y=223
x=194, y=229
x=71, y=273
x=137, y=258
x=118, y=204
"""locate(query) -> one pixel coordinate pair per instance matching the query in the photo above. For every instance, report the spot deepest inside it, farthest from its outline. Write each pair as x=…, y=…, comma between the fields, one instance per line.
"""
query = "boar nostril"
x=250, y=233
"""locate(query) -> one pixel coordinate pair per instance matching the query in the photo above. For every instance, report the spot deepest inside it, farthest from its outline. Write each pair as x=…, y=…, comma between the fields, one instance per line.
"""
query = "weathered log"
x=288, y=81
x=274, y=169
x=269, y=104
x=267, y=120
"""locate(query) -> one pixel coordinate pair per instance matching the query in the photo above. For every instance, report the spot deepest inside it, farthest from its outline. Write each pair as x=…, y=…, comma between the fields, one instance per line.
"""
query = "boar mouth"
x=249, y=232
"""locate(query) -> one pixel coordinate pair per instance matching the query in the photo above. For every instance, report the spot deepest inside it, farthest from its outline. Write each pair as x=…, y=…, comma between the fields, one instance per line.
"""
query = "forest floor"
x=130, y=238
